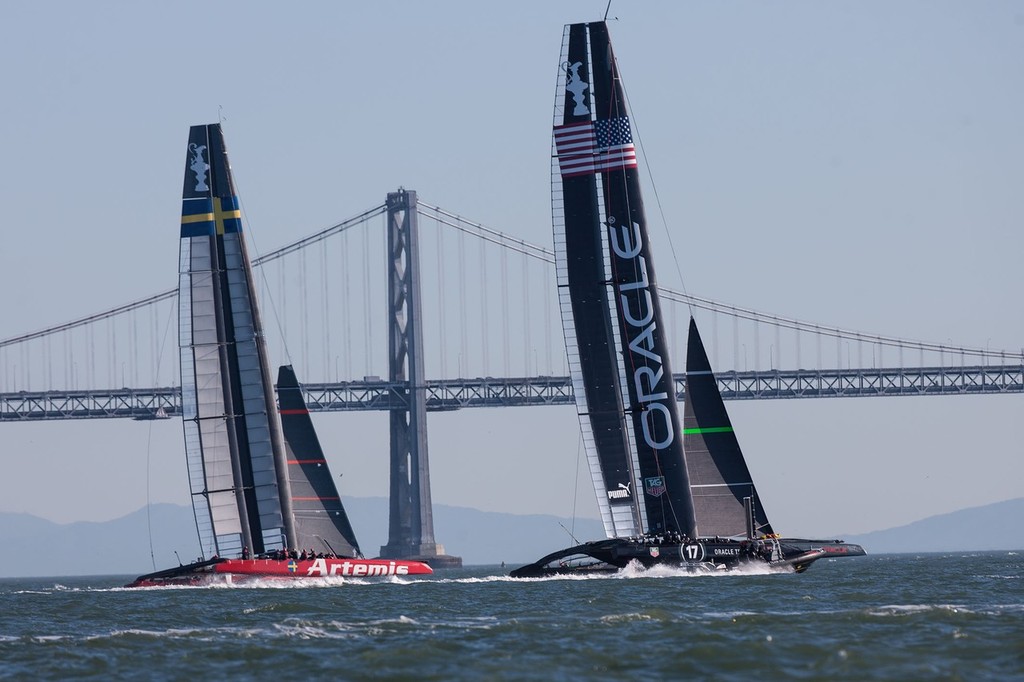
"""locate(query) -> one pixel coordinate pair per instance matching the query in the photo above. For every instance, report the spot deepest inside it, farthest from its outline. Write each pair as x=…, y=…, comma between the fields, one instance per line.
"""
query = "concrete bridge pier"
x=411, y=529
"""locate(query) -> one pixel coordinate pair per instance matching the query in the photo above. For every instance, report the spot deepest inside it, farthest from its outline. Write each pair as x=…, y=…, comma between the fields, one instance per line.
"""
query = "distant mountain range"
x=977, y=529
x=36, y=547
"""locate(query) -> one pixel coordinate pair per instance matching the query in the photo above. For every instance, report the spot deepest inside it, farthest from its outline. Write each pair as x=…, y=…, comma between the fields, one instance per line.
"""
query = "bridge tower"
x=411, y=530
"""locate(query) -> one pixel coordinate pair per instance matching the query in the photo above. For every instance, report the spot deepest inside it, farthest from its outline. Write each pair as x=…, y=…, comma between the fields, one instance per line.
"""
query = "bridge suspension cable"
x=508, y=244
x=544, y=254
x=172, y=293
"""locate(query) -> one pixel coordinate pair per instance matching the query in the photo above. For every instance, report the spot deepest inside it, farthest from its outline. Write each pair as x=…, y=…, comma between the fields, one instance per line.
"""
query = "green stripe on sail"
x=709, y=429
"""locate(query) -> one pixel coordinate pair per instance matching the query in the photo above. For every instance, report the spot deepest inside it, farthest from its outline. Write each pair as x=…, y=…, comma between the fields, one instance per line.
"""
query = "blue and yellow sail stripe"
x=210, y=216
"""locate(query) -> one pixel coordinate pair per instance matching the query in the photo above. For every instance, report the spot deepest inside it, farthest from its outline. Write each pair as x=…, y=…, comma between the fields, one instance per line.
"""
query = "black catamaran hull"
x=705, y=554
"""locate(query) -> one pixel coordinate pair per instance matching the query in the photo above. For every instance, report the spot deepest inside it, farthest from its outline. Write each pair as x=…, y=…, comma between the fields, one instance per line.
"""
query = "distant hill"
x=977, y=529
x=478, y=537
x=37, y=547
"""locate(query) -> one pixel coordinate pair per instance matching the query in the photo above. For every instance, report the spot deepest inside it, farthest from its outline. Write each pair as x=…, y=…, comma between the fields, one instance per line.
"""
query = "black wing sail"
x=719, y=477
x=597, y=163
x=584, y=296
x=320, y=519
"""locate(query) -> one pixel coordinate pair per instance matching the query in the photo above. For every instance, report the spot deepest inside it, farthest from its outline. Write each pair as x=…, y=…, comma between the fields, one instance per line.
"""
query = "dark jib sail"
x=610, y=307
x=719, y=478
x=233, y=443
x=320, y=519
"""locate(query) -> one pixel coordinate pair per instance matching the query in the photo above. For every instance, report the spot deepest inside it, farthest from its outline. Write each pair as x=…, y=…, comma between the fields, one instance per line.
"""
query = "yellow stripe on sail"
x=220, y=215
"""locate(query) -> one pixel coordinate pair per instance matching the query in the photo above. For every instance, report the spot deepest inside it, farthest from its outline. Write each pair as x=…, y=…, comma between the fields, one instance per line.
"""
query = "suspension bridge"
x=492, y=337
x=485, y=306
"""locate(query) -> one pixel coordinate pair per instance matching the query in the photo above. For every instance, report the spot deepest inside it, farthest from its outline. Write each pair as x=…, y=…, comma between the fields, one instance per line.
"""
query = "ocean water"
x=889, y=617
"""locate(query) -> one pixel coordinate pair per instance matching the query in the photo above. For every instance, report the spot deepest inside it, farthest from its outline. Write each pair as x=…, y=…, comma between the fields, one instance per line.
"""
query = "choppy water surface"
x=879, y=617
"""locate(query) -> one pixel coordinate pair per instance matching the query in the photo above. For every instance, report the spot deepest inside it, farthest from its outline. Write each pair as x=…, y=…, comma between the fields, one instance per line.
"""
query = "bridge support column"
x=411, y=532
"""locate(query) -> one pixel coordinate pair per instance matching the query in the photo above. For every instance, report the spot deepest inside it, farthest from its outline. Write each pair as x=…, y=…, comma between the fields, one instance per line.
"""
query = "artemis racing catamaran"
x=264, y=501
x=667, y=495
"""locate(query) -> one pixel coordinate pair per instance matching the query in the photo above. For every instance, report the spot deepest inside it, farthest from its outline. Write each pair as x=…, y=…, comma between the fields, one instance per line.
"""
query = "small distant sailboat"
x=264, y=501
x=667, y=495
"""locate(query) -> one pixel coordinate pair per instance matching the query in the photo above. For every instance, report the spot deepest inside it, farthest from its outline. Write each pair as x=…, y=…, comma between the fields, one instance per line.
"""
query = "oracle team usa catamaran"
x=667, y=495
x=264, y=501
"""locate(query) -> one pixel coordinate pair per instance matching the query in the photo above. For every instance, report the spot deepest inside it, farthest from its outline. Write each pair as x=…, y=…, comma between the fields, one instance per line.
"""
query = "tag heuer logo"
x=655, y=486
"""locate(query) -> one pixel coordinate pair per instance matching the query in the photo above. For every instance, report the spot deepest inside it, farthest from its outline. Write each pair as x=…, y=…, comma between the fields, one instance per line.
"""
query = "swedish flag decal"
x=206, y=217
x=226, y=215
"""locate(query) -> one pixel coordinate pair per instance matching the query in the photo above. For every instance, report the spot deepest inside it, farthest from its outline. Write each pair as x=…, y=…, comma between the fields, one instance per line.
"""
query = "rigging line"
x=654, y=185
x=247, y=227
x=576, y=481
x=149, y=441
x=149, y=497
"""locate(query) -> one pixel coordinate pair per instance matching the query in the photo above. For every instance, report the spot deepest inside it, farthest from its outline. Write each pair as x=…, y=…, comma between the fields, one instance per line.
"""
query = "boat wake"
x=637, y=570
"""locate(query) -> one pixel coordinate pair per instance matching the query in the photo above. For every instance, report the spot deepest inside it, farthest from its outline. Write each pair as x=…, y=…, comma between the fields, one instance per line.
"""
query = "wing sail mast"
x=611, y=312
x=233, y=443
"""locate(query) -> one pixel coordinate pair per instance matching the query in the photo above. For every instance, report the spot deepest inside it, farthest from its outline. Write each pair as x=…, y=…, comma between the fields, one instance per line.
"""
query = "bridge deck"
x=454, y=394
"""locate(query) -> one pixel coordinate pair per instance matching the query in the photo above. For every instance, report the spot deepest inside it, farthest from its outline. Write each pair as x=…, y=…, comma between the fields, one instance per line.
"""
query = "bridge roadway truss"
x=455, y=394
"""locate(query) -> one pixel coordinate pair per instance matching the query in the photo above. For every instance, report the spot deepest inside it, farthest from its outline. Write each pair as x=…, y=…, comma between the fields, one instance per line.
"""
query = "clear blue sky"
x=853, y=164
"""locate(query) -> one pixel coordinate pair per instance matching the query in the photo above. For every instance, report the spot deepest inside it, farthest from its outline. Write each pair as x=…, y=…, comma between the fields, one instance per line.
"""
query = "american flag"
x=594, y=146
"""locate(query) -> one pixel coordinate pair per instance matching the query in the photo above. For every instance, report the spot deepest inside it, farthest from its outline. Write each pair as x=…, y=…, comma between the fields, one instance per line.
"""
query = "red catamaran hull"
x=232, y=571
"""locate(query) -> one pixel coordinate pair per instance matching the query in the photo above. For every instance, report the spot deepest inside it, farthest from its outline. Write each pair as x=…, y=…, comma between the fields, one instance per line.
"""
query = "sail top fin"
x=696, y=356
x=209, y=202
